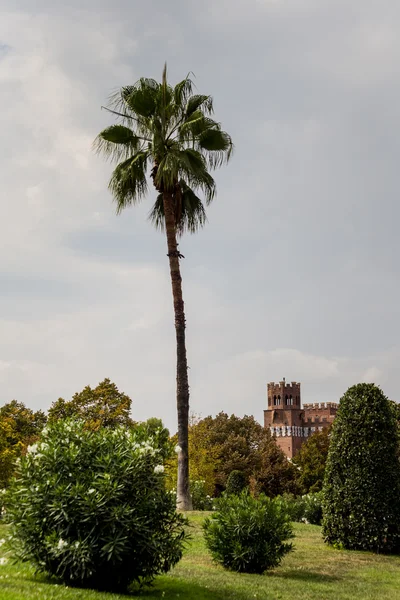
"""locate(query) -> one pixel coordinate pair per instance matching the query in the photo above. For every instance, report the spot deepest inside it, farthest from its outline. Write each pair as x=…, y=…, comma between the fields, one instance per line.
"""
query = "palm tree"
x=168, y=134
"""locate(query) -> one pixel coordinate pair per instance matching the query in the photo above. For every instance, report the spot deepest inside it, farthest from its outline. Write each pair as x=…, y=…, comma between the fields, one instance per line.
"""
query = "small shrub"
x=200, y=499
x=248, y=534
x=90, y=507
x=293, y=505
x=303, y=509
x=362, y=479
x=312, y=504
x=236, y=483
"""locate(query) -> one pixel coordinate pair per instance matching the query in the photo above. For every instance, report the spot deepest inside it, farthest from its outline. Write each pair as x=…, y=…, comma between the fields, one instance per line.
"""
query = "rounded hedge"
x=248, y=534
x=361, y=492
x=236, y=482
x=91, y=508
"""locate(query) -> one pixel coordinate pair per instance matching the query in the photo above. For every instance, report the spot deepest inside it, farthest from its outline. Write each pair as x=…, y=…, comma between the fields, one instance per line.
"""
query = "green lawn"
x=312, y=572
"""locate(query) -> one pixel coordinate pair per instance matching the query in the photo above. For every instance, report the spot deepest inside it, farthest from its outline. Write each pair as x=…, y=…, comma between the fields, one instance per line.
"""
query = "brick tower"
x=289, y=422
x=284, y=415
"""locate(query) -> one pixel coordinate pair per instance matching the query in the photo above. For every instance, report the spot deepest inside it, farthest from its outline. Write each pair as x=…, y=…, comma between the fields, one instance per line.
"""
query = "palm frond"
x=191, y=129
x=116, y=142
x=193, y=169
x=183, y=91
x=128, y=183
x=218, y=145
x=199, y=101
x=142, y=101
x=190, y=214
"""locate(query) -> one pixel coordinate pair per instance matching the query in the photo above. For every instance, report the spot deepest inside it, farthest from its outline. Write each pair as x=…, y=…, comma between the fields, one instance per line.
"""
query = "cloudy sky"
x=297, y=272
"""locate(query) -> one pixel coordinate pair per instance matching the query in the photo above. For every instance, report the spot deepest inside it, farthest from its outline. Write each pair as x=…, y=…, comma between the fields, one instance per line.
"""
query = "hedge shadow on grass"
x=303, y=575
x=190, y=590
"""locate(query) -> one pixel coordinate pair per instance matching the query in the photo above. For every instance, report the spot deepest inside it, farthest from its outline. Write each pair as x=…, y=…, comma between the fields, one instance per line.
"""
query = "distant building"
x=290, y=422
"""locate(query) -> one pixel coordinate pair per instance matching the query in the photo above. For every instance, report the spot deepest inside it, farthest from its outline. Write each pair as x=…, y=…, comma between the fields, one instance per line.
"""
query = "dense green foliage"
x=222, y=444
x=154, y=429
x=303, y=509
x=362, y=479
x=247, y=534
x=311, y=461
x=236, y=482
x=19, y=427
x=91, y=508
x=102, y=406
x=293, y=505
x=200, y=499
x=313, y=510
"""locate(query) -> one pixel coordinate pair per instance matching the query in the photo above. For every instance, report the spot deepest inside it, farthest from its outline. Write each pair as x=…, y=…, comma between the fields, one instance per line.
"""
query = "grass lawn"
x=312, y=572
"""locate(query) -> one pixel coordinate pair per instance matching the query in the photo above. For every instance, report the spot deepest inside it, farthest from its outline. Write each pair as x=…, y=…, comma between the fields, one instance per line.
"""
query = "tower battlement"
x=291, y=423
x=321, y=405
x=284, y=394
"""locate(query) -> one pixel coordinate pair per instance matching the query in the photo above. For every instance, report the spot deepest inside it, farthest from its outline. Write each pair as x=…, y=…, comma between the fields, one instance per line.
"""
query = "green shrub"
x=200, y=499
x=293, y=506
x=91, y=508
x=303, y=509
x=361, y=493
x=248, y=534
x=236, y=482
x=312, y=508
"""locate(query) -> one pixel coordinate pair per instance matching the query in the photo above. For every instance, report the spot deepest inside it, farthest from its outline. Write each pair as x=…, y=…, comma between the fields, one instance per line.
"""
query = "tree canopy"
x=311, y=461
x=102, y=406
x=222, y=444
x=19, y=427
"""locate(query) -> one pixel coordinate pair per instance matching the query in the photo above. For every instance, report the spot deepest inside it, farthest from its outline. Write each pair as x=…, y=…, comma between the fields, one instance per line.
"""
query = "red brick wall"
x=285, y=415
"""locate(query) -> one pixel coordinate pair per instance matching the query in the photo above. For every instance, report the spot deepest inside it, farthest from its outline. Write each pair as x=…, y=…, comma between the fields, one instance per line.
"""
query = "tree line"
x=217, y=445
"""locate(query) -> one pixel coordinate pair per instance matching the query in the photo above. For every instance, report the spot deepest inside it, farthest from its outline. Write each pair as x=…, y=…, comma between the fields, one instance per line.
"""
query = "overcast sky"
x=297, y=272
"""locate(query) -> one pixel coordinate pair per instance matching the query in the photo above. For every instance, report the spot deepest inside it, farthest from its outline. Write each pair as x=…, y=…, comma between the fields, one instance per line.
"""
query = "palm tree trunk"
x=184, y=501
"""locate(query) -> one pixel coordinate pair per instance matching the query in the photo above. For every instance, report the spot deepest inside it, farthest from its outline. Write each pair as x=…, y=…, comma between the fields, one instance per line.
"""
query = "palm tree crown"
x=166, y=133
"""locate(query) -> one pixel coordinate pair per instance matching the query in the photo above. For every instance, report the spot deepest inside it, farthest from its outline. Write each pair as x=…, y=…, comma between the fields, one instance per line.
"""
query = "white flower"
x=3, y=561
x=32, y=449
x=178, y=449
x=61, y=544
x=159, y=469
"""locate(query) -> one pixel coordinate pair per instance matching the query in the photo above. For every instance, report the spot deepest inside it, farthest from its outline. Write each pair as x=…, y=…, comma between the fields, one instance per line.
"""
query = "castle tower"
x=284, y=415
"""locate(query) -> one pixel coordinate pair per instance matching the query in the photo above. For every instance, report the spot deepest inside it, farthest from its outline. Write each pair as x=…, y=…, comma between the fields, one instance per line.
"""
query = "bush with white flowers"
x=92, y=509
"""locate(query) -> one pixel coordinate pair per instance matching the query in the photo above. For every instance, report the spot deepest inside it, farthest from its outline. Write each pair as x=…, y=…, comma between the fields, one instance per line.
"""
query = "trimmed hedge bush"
x=91, y=508
x=236, y=482
x=361, y=493
x=313, y=508
x=248, y=534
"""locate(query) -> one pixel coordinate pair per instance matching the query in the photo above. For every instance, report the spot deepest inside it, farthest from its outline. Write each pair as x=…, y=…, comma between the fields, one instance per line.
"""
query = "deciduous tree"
x=102, y=406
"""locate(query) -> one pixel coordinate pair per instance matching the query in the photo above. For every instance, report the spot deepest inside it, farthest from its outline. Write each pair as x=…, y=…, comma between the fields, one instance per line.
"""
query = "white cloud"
x=296, y=274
